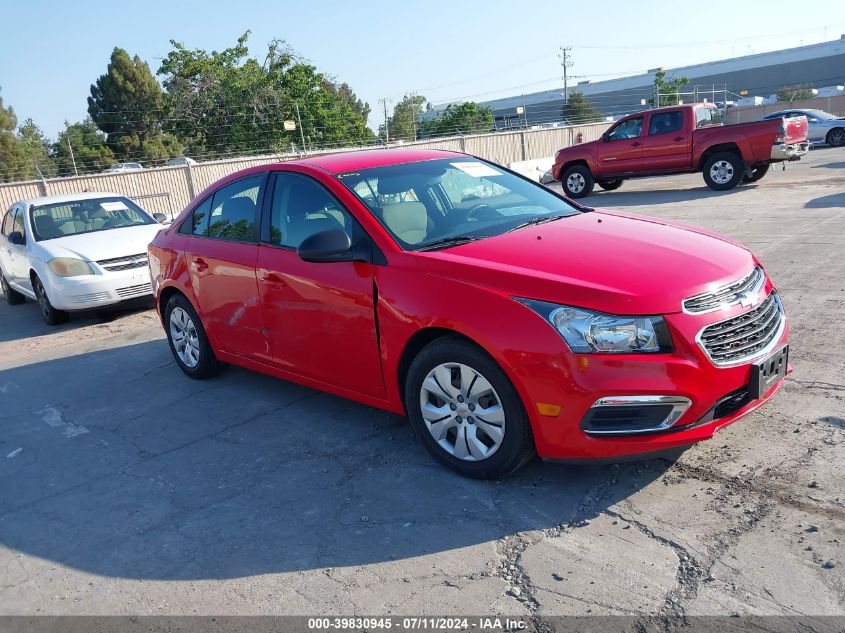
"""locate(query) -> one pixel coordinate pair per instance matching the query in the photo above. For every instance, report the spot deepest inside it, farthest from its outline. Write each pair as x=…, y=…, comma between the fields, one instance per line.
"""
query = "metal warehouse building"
x=818, y=65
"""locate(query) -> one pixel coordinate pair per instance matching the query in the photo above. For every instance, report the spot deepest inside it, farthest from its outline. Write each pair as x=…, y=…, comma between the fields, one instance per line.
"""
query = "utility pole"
x=414, y=112
x=72, y=159
x=301, y=132
x=566, y=63
x=384, y=101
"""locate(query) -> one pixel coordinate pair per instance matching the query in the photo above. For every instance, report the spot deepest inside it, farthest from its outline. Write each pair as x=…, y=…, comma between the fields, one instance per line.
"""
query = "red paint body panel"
x=680, y=151
x=344, y=327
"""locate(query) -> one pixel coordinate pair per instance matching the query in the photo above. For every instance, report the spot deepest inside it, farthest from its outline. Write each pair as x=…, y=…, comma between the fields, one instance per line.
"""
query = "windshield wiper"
x=446, y=242
x=538, y=220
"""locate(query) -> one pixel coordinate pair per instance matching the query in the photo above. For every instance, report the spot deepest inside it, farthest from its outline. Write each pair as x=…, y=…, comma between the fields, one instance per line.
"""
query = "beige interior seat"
x=408, y=220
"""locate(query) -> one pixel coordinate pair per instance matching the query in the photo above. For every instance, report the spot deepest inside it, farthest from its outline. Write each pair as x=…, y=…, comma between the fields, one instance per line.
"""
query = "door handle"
x=636, y=144
x=678, y=138
x=200, y=265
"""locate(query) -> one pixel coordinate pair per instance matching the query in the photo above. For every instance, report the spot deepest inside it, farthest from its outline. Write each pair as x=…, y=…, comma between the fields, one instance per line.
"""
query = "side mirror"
x=160, y=218
x=605, y=137
x=325, y=247
x=16, y=237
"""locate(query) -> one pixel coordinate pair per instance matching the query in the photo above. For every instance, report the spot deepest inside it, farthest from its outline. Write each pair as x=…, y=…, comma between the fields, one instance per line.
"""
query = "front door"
x=221, y=250
x=623, y=150
x=668, y=146
x=16, y=261
x=320, y=318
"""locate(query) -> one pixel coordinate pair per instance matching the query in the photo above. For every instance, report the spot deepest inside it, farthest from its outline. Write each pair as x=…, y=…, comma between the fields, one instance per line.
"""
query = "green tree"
x=579, y=109
x=667, y=91
x=230, y=103
x=404, y=122
x=127, y=104
x=795, y=93
x=35, y=152
x=88, y=144
x=11, y=157
x=464, y=118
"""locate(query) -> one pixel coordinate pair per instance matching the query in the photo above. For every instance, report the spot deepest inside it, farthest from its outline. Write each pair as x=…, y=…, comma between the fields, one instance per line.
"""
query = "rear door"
x=668, y=145
x=320, y=318
x=623, y=151
x=221, y=250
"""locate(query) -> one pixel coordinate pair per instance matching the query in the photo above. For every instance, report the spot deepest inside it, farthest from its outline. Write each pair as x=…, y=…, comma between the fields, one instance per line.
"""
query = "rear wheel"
x=756, y=173
x=836, y=137
x=188, y=341
x=466, y=411
x=13, y=297
x=610, y=185
x=577, y=181
x=48, y=312
x=723, y=171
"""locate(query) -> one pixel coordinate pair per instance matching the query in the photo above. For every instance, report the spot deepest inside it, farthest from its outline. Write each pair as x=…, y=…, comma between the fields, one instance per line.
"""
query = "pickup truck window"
x=631, y=128
x=665, y=122
x=707, y=116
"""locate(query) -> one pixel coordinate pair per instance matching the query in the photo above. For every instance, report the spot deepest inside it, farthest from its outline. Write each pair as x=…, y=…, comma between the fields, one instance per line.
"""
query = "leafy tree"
x=90, y=151
x=579, y=109
x=667, y=91
x=464, y=118
x=126, y=103
x=35, y=149
x=11, y=158
x=403, y=124
x=795, y=93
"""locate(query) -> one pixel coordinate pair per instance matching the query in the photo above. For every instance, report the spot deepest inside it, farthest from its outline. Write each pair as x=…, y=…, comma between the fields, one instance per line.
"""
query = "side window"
x=300, y=208
x=665, y=122
x=631, y=128
x=18, y=224
x=7, y=223
x=233, y=210
x=197, y=222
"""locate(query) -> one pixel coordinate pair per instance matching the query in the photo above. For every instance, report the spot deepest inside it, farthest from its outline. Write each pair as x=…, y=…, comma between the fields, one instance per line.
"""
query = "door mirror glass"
x=16, y=237
x=332, y=245
x=160, y=218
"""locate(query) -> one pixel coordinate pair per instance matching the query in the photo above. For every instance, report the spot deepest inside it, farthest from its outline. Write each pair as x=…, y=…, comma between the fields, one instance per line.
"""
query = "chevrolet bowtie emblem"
x=748, y=299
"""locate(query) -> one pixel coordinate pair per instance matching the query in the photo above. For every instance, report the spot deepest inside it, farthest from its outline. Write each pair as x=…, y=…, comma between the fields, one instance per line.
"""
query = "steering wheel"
x=481, y=211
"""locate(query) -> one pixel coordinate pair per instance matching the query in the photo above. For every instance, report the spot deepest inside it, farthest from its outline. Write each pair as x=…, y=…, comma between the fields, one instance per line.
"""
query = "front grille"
x=726, y=296
x=731, y=403
x=127, y=262
x=133, y=291
x=743, y=337
x=93, y=297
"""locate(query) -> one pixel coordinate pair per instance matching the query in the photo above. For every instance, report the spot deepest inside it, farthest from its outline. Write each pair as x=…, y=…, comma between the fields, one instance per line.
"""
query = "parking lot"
x=130, y=489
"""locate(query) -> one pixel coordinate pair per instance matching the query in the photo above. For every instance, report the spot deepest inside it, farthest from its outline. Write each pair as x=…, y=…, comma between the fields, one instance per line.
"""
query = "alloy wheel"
x=462, y=411
x=183, y=333
x=837, y=138
x=43, y=301
x=575, y=183
x=721, y=172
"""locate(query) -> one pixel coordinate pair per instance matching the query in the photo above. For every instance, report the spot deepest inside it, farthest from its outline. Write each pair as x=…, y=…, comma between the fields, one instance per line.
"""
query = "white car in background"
x=120, y=167
x=73, y=252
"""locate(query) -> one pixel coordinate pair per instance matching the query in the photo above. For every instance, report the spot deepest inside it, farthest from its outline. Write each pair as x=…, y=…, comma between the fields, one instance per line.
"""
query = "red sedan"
x=501, y=317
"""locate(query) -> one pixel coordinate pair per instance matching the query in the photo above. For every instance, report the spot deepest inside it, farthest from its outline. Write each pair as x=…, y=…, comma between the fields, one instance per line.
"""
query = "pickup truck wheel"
x=836, y=137
x=756, y=173
x=577, y=182
x=723, y=171
x=610, y=185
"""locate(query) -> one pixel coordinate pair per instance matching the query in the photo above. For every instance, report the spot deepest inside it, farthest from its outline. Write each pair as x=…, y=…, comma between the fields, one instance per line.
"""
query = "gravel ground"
x=129, y=489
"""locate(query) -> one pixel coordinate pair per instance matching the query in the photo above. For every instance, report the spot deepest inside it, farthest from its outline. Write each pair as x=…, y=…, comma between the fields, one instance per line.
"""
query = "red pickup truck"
x=677, y=140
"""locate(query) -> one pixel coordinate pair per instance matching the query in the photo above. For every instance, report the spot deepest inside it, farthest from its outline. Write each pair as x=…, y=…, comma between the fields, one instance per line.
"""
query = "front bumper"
x=90, y=292
x=781, y=151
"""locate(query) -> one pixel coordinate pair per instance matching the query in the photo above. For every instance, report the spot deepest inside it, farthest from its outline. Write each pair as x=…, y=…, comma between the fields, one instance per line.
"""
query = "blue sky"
x=51, y=51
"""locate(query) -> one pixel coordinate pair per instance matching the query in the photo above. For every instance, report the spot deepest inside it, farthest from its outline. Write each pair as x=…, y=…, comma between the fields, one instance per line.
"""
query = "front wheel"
x=466, y=411
x=756, y=173
x=188, y=341
x=723, y=171
x=51, y=315
x=577, y=181
x=610, y=185
x=13, y=297
x=836, y=137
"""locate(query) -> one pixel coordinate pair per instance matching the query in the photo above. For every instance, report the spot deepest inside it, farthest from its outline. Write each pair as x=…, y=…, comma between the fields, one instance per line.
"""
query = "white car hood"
x=99, y=245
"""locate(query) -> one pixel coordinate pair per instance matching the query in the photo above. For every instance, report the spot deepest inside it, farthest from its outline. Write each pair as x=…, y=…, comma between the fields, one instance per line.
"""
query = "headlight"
x=69, y=267
x=586, y=331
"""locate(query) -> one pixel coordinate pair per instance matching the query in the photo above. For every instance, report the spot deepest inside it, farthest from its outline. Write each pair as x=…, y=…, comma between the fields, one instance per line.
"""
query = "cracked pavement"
x=130, y=489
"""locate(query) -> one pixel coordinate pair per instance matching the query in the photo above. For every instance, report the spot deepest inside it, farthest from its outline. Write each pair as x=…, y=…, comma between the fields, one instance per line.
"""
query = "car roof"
x=69, y=197
x=364, y=159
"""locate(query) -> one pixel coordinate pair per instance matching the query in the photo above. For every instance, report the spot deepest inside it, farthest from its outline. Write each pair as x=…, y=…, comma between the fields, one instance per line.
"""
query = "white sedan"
x=76, y=252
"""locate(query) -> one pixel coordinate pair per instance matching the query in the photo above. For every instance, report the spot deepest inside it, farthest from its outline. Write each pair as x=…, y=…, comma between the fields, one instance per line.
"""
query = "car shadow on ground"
x=839, y=165
x=827, y=202
x=119, y=465
x=621, y=198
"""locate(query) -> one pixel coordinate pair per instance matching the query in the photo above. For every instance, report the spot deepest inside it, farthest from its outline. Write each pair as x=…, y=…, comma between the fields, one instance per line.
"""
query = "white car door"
x=5, y=250
x=18, y=268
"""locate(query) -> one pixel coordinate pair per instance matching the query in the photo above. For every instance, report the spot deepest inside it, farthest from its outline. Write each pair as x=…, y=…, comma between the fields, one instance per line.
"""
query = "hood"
x=600, y=260
x=99, y=245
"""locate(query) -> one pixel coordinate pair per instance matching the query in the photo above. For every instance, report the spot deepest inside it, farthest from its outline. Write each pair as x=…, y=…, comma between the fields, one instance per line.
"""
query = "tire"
x=459, y=438
x=192, y=351
x=836, y=137
x=13, y=297
x=610, y=185
x=51, y=315
x=757, y=173
x=577, y=181
x=723, y=171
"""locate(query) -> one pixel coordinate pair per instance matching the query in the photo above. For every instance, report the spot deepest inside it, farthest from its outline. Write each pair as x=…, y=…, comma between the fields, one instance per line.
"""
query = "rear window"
x=708, y=116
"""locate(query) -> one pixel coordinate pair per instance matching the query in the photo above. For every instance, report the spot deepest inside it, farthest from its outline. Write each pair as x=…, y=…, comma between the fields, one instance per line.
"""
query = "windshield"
x=85, y=216
x=452, y=200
